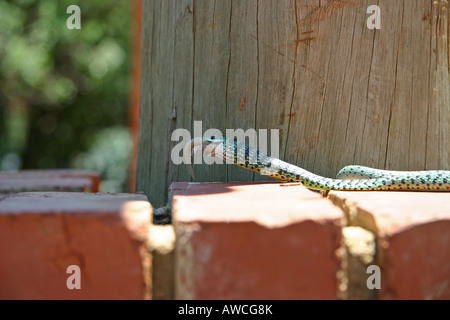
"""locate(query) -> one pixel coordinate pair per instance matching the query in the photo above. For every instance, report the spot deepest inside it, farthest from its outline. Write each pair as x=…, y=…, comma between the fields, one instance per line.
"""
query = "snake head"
x=200, y=144
x=215, y=139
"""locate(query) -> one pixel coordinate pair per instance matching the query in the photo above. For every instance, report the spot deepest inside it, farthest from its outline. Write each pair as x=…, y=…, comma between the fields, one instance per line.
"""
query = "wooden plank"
x=211, y=32
x=438, y=139
x=182, y=75
x=145, y=113
x=277, y=58
x=339, y=92
x=242, y=74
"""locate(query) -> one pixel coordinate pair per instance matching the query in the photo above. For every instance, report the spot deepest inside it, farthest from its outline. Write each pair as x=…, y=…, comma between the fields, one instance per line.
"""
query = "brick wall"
x=282, y=241
x=43, y=234
x=227, y=241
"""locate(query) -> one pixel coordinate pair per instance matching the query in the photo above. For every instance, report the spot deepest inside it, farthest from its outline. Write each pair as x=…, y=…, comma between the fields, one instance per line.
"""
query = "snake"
x=350, y=178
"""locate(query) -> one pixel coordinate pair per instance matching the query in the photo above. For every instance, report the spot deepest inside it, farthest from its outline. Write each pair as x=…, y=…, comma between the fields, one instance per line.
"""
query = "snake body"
x=234, y=151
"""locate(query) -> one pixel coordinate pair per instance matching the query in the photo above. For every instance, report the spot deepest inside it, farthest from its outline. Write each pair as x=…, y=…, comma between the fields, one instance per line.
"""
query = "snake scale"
x=231, y=150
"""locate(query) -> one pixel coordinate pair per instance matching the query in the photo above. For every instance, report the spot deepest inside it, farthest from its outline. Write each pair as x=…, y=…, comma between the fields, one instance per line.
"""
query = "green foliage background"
x=64, y=93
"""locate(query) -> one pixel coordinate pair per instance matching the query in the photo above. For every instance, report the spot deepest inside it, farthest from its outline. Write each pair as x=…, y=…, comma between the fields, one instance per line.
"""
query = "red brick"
x=413, y=230
x=254, y=241
x=41, y=234
x=49, y=180
x=14, y=185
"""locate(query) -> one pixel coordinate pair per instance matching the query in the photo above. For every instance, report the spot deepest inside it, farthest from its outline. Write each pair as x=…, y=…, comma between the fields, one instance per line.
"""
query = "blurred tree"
x=61, y=88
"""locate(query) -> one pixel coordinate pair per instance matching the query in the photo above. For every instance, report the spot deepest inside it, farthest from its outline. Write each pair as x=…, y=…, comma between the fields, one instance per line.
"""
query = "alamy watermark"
x=256, y=139
x=374, y=21
x=374, y=280
x=74, y=20
x=74, y=280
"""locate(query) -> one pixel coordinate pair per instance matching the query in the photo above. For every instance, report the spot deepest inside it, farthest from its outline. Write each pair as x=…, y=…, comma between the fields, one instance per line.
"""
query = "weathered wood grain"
x=339, y=92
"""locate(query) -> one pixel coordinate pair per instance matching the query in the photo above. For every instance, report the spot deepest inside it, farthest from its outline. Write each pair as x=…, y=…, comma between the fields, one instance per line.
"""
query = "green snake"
x=231, y=150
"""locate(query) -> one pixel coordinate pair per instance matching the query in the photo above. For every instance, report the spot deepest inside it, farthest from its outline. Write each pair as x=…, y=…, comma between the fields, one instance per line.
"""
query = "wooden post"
x=135, y=90
x=339, y=92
